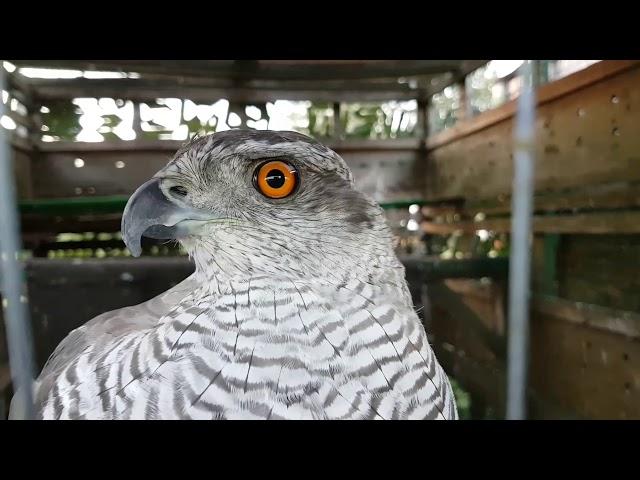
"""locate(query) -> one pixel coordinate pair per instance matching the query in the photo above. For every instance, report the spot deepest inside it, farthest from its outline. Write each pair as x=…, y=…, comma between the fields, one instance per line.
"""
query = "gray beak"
x=151, y=214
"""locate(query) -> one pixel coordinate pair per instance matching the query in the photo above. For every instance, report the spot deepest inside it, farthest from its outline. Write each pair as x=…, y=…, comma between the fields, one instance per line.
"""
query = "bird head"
x=260, y=201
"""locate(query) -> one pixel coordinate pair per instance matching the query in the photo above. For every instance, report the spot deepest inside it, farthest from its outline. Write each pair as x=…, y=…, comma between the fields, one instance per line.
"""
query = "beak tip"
x=133, y=245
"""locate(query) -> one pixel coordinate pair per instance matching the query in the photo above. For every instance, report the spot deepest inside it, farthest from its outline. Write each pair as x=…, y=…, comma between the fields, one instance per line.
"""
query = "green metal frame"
x=116, y=204
x=432, y=269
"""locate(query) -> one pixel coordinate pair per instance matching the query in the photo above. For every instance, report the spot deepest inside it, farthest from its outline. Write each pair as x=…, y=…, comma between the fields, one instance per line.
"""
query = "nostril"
x=178, y=190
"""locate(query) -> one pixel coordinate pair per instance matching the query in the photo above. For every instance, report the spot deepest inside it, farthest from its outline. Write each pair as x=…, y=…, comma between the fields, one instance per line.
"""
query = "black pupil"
x=178, y=190
x=275, y=178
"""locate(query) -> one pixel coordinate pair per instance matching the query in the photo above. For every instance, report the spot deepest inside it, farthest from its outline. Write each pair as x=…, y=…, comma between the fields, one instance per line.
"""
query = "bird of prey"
x=298, y=307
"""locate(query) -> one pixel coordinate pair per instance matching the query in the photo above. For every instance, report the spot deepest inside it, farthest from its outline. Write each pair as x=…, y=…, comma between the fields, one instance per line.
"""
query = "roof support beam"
x=266, y=70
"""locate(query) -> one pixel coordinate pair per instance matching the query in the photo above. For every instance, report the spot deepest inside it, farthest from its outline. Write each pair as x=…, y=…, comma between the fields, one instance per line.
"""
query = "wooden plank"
x=594, y=316
x=487, y=384
x=627, y=222
x=600, y=269
x=468, y=313
x=267, y=70
x=577, y=369
x=389, y=175
x=173, y=145
x=583, y=139
x=595, y=223
x=585, y=360
x=23, y=97
x=210, y=91
x=58, y=177
x=483, y=380
x=21, y=144
x=21, y=89
x=111, y=146
x=588, y=370
x=546, y=93
x=5, y=377
x=210, y=95
x=23, y=173
x=169, y=82
x=372, y=145
x=599, y=196
x=25, y=121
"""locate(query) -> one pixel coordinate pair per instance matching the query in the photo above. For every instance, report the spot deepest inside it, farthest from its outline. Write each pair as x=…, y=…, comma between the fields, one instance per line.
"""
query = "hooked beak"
x=151, y=214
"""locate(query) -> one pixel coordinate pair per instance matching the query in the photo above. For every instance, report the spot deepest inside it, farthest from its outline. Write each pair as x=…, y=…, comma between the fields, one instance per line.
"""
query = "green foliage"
x=197, y=127
x=444, y=109
x=376, y=121
x=463, y=399
x=361, y=120
x=320, y=120
x=63, y=119
x=481, y=95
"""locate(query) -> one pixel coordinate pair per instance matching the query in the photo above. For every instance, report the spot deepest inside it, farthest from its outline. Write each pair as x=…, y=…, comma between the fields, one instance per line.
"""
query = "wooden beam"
x=20, y=143
x=25, y=121
x=173, y=145
x=422, y=125
x=593, y=316
x=453, y=303
x=111, y=146
x=265, y=70
x=5, y=377
x=169, y=82
x=546, y=93
x=21, y=89
x=338, y=128
x=617, y=195
x=210, y=95
x=626, y=222
x=301, y=82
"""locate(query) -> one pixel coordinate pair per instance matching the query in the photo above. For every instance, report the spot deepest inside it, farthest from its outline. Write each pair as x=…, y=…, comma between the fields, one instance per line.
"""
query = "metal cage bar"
x=14, y=298
x=520, y=262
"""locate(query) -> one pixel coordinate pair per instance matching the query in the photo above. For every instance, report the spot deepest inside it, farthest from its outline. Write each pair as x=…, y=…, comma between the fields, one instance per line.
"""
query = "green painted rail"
x=74, y=206
x=116, y=204
x=431, y=268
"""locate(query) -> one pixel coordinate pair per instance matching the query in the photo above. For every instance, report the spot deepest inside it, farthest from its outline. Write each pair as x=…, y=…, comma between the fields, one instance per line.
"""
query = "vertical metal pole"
x=338, y=128
x=137, y=124
x=422, y=125
x=466, y=110
x=520, y=261
x=14, y=298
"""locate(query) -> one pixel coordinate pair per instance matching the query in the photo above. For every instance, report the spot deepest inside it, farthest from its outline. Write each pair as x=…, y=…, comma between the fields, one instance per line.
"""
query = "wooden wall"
x=585, y=332
x=386, y=170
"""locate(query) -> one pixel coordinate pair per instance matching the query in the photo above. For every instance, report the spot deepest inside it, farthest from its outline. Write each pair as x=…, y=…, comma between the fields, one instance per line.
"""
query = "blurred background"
x=431, y=141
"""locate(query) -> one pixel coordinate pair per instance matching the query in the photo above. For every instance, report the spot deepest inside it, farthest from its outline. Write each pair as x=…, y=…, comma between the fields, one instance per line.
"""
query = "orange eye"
x=275, y=179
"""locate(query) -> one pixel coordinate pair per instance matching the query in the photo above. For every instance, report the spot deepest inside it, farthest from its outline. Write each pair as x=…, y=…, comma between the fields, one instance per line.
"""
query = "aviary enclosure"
x=434, y=142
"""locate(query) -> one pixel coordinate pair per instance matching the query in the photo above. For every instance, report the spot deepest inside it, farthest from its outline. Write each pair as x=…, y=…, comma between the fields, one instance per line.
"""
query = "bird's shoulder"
x=101, y=331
